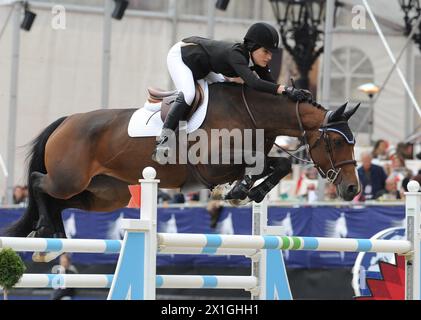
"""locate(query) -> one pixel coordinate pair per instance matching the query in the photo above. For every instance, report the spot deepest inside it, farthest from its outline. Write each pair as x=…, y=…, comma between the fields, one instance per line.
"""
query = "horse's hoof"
x=239, y=192
x=236, y=195
x=256, y=195
x=45, y=256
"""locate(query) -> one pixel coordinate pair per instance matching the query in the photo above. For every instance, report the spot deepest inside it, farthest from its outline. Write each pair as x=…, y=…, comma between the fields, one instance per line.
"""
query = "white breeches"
x=182, y=75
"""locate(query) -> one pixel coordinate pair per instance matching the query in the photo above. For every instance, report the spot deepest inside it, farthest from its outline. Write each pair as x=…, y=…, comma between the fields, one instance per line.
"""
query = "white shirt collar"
x=251, y=63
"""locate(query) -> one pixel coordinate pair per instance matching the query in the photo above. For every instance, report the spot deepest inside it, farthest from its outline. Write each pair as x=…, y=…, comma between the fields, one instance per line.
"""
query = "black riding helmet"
x=261, y=35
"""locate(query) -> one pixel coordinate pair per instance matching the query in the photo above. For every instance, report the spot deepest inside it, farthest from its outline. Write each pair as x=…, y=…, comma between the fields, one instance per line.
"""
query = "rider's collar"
x=251, y=62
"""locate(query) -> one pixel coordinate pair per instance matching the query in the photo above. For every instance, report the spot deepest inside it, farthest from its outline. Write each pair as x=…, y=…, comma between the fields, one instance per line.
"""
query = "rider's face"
x=261, y=57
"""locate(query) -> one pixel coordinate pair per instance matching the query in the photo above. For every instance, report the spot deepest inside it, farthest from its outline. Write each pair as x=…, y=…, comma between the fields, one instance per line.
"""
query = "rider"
x=197, y=58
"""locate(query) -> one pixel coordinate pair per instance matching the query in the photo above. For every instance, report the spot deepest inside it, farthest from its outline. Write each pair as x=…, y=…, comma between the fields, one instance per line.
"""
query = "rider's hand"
x=298, y=95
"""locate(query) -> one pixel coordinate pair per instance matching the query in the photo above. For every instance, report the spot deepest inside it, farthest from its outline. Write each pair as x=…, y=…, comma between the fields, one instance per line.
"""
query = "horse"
x=87, y=160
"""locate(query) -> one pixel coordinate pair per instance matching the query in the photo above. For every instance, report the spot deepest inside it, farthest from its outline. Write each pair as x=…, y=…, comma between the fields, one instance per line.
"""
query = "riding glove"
x=297, y=95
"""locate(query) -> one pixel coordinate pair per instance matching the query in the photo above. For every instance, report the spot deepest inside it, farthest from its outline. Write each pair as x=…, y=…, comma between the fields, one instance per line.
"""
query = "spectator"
x=372, y=177
x=178, y=198
x=25, y=193
x=311, y=193
x=308, y=179
x=380, y=150
x=417, y=177
x=67, y=268
x=405, y=150
x=330, y=192
x=391, y=190
x=19, y=195
x=163, y=197
x=398, y=170
x=214, y=208
x=193, y=196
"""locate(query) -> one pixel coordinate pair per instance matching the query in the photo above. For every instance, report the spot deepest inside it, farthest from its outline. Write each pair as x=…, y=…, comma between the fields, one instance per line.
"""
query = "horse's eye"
x=338, y=143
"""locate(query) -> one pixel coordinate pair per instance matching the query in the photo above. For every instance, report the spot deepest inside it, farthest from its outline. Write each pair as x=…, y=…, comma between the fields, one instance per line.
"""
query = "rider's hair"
x=251, y=46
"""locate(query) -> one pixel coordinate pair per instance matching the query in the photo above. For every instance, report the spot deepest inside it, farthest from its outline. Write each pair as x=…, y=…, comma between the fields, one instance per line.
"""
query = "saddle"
x=166, y=98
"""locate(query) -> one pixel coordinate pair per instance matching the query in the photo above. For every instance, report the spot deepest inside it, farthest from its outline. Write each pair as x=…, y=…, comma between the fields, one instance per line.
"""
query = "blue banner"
x=323, y=221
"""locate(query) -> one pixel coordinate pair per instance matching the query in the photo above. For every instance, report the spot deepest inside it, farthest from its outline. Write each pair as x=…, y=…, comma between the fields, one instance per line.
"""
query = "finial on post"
x=149, y=173
x=413, y=186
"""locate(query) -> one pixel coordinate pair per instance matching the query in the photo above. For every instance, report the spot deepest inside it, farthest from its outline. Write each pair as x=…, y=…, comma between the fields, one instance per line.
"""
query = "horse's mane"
x=238, y=85
x=317, y=105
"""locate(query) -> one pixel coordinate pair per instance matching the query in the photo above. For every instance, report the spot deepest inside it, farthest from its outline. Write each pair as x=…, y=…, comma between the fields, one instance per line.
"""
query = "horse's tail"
x=35, y=159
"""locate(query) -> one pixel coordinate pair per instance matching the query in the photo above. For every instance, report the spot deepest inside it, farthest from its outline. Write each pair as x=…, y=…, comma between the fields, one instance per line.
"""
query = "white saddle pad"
x=146, y=122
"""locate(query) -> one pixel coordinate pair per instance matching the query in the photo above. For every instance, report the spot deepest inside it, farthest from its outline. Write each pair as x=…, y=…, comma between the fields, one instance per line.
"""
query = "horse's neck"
x=277, y=115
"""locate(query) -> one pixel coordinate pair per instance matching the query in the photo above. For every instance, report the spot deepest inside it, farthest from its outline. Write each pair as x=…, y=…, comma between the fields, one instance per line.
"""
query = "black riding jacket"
x=231, y=59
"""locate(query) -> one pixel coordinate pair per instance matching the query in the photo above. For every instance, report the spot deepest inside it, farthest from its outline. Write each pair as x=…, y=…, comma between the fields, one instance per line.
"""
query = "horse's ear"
x=338, y=113
x=349, y=113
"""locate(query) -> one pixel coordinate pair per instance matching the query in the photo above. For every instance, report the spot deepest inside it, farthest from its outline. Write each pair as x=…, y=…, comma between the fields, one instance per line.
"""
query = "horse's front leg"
x=241, y=188
x=279, y=168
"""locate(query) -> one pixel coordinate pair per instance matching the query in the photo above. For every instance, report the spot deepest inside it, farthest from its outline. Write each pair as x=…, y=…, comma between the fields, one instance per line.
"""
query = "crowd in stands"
x=20, y=195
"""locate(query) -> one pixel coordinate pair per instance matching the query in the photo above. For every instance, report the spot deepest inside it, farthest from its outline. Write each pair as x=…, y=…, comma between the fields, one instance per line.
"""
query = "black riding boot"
x=178, y=110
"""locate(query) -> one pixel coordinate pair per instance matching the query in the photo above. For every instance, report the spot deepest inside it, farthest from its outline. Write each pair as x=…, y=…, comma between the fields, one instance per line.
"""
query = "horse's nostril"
x=352, y=189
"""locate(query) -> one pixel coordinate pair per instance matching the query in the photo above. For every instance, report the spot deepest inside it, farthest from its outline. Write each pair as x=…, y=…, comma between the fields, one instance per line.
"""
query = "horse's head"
x=331, y=148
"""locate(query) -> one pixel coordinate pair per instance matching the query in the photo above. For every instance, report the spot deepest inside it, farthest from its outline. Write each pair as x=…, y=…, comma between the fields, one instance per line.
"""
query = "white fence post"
x=135, y=275
x=413, y=235
x=270, y=268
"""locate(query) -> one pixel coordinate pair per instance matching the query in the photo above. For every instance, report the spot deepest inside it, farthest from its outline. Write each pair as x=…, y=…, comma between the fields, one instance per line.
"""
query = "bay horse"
x=87, y=160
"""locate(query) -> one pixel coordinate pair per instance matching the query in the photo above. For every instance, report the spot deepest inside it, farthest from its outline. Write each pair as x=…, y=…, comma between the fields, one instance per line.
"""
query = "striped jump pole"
x=61, y=281
x=61, y=245
x=102, y=246
x=212, y=242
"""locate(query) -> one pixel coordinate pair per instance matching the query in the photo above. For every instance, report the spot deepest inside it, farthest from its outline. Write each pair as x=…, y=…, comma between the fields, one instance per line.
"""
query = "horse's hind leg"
x=104, y=193
x=50, y=222
x=279, y=167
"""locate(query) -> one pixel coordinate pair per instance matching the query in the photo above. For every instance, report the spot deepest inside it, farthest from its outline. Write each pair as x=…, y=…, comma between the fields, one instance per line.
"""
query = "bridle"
x=331, y=175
